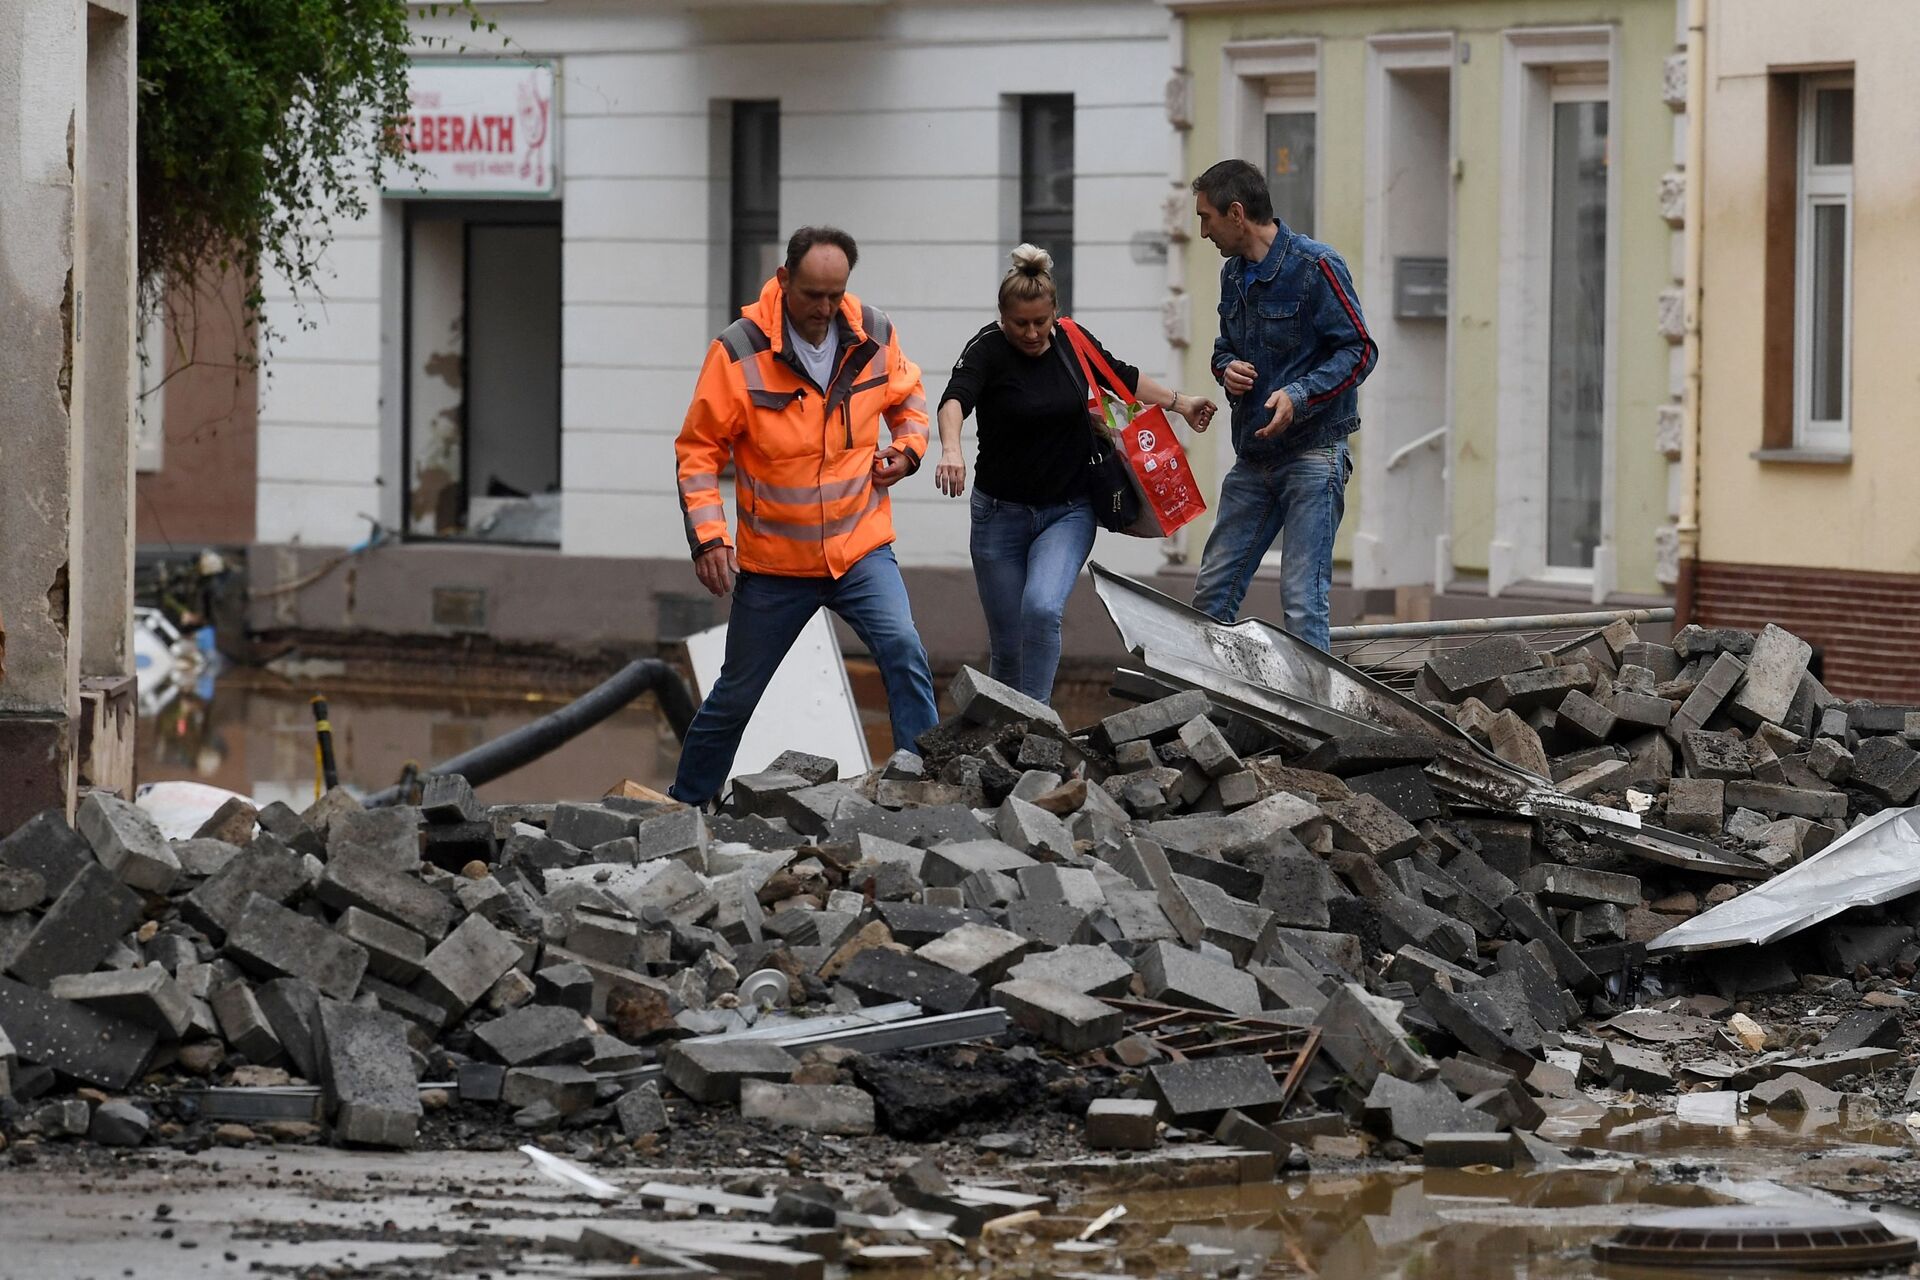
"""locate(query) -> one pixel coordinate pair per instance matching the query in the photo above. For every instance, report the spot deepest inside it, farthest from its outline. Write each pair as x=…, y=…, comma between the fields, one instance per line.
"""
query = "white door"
x=1406, y=404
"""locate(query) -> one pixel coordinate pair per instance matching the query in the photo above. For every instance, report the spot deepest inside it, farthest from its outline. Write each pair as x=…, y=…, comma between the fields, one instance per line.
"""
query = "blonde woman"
x=1033, y=523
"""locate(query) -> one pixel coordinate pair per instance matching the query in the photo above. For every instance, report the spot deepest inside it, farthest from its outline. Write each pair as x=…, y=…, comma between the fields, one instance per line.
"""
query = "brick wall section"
x=1866, y=624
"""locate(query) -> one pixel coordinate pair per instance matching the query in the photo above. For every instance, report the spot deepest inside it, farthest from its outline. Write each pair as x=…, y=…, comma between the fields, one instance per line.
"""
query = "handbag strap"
x=1090, y=359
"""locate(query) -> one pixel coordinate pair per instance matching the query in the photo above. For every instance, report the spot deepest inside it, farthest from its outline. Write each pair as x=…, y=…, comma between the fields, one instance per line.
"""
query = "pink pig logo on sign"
x=1145, y=440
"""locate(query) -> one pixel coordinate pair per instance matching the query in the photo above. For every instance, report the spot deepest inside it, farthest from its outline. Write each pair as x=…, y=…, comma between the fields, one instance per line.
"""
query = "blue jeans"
x=1304, y=497
x=769, y=612
x=1025, y=561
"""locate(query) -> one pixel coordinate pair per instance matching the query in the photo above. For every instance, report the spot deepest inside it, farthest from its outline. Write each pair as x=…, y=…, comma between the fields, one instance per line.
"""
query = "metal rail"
x=1448, y=627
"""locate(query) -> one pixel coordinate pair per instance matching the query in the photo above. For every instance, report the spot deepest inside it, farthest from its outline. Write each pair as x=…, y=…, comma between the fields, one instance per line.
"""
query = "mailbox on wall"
x=1420, y=288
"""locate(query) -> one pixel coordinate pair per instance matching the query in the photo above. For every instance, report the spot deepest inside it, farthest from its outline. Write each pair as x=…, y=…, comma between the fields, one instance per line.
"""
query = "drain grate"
x=1810, y=1239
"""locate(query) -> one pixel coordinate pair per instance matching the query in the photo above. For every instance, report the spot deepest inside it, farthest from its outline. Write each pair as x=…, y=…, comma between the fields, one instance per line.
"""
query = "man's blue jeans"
x=1025, y=561
x=768, y=614
x=1302, y=497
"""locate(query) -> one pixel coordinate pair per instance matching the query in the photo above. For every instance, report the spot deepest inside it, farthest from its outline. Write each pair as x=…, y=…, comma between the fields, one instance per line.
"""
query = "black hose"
x=529, y=742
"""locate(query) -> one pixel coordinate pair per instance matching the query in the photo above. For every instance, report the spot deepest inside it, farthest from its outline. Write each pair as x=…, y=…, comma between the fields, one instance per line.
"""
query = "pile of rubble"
x=1250, y=934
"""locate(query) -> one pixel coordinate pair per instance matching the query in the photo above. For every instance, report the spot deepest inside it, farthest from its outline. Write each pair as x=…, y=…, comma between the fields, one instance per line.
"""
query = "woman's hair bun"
x=1032, y=260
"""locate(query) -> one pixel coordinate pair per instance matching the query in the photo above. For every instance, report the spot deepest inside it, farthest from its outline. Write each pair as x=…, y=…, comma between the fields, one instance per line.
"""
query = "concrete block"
x=1404, y=921
x=1696, y=805
x=292, y=1007
x=1088, y=970
x=270, y=940
x=1422, y=969
x=148, y=996
x=1782, y=799
x=358, y=880
x=367, y=1071
x=712, y=1071
x=1468, y=671
x=389, y=836
x=1479, y=1024
x=947, y=865
x=127, y=843
x=1888, y=768
x=1208, y=748
x=1631, y=1067
x=1531, y=926
x=1406, y=791
x=641, y=1111
x=1174, y=975
x=981, y=699
x=468, y=961
x=1584, y=719
x=73, y=1040
x=880, y=976
x=569, y=1090
x=1414, y=1112
x=977, y=951
x=244, y=1023
x=1156, y=721
x=1774, y=670
x=1296, y=888
x=537, y=1035
x=585, y=825
x=1031, y=830
x=1366, y=825
x=839, y=1109
x=1123, y=1124
x=1518, y=743
x=1714, y=689
x=83, y=924
x=1545, y=687
x=268, y=868
x=119, y=1124
x=394, y=952
x=1071, y=886
x=47, y=846
x=446, y=797
x=1459, y=1150
x=1578, y=886
x=1362, y=1034
x=1198, y=1093
x=1065, y=1019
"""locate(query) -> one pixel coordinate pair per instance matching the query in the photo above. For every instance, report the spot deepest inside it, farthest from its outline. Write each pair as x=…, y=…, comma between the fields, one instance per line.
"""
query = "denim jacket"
x=1299, y=325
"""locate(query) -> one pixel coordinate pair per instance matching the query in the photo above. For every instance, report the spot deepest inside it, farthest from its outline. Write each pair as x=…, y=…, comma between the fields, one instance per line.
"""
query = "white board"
x=808, y=707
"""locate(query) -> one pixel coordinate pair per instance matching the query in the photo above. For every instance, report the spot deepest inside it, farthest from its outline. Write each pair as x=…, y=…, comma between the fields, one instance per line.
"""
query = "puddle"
x=251, y=731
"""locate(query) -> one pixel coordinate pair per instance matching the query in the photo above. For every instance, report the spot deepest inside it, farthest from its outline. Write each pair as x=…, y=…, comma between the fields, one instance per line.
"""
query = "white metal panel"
x=808, y=707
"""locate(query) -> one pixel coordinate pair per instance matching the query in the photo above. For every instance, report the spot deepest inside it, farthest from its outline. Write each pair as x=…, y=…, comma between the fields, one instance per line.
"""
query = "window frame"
x=747, y=226
x=1819, y=186
x=1294, y=93
x=1050, y=227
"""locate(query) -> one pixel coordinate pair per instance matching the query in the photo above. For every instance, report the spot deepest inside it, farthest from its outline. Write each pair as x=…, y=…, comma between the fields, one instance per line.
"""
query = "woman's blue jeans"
x=1025, y=562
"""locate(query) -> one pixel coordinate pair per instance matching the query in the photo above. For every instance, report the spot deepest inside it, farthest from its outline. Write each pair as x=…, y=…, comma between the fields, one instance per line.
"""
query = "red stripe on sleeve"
x=1353, y=314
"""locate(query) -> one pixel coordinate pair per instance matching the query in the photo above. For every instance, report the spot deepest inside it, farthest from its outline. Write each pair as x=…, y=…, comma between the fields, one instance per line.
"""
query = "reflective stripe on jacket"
x=802, y=454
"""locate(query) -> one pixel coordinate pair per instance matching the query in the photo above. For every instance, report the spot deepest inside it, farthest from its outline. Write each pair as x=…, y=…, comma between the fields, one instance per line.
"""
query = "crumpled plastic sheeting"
x=1876, y=862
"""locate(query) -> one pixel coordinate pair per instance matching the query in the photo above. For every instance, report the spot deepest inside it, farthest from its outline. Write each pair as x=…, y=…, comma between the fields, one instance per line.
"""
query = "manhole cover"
x=1811, y=1239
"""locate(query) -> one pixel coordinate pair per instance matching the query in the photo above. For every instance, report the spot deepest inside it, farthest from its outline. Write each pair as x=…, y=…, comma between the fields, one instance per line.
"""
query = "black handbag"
x=1116, y=504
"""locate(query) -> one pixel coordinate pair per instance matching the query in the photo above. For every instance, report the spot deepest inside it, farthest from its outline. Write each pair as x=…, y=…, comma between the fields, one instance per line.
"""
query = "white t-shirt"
x=817, y=361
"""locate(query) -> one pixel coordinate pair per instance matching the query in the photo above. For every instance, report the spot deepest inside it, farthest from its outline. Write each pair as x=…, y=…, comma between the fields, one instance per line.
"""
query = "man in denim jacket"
x=1292, y=352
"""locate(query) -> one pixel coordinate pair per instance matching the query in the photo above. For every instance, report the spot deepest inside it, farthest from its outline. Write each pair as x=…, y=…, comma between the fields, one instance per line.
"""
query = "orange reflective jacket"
x=802, y=454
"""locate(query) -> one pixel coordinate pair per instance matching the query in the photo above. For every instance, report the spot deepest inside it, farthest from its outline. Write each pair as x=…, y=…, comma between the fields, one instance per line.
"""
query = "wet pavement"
x=305, y=1211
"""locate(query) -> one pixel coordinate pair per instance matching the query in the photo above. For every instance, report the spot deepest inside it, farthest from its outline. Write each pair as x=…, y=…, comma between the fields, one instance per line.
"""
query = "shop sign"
x=479, y=129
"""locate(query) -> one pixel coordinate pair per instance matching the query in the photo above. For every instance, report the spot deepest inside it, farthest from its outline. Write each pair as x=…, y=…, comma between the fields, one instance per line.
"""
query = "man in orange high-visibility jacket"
x=794, y=392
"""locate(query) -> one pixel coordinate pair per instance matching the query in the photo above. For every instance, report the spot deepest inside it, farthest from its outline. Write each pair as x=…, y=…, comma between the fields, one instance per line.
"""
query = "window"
x=1292, y=124
x=1576, y=338
x=1046, y=183
x=1824, y=258
x=150, y=392
x=756, y=247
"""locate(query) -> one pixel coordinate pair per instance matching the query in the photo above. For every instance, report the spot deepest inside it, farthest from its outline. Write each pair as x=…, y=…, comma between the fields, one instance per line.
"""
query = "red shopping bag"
x=1157, y=465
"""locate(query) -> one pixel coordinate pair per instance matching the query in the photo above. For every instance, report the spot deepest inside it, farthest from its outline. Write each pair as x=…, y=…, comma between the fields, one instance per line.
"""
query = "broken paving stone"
x=640, y=1110
x=367, y=1070
x=977, y=951
x=1411, y=1112
x=1775, y=666
x=1089, y=970
x=244, y=1023
x=1065, y=1019
x=1470, y=670
x=1174, y=975
x=567, y=1089
x=87, y=1044
x=881, y=976
x=1366, y=825
x=1460, y=1150
x=1123, y=1124
x=83, y=924
x=465, y=965
x=1197, y=1093
x=1562, y=886
x=394, y=952
x=1888, y=768
x=948, y=865
x=916, y=1100
x=1696, y=805
x=836, y=1109
x=1861, y=1029
x=537, y=1035
x=127, y=843
x=985, y=701
x=148, y=996
x=1792, y=1092
x=47, y=846
x=1361, y=1032
x=1630, y=1067
x=119, y=1124
x=269, y=939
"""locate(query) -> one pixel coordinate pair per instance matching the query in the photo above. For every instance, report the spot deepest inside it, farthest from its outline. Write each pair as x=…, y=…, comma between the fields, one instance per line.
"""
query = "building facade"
x=1501, y=177
x=67, y=263
x=1809, y=424
x=501, y=362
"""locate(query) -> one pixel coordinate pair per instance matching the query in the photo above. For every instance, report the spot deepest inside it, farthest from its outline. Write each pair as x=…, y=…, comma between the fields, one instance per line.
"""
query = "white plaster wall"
x=892, y=125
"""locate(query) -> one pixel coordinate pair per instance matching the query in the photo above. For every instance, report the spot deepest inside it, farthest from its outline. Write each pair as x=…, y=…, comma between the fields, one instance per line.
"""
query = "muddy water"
x=251, y=731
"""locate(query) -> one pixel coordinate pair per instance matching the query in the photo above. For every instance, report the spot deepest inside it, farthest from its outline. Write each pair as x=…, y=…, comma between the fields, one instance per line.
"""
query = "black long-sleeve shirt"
x=1032, y=415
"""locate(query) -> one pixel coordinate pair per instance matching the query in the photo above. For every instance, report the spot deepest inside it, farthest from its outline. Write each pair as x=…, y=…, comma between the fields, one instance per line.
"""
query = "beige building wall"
x=1639, y=494
x=1857, y=514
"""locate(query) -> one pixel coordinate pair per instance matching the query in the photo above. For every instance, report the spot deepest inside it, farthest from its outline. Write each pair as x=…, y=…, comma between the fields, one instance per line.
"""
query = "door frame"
x=1386, y=56
x=1532, y=57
